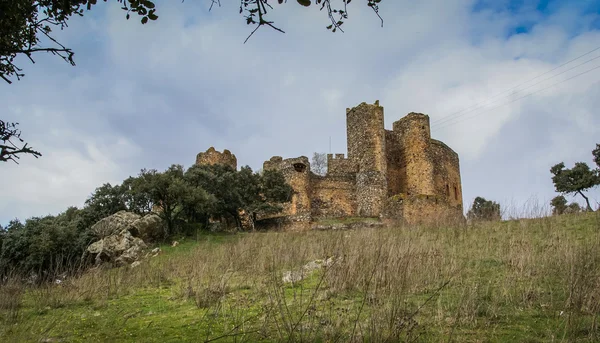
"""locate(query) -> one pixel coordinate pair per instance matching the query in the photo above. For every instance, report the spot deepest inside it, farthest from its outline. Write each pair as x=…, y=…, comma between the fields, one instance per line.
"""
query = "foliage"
x=573, y=208
x=234, y=191
x=318, y=164
x=575, y=180
x=559, y=206
x=484, y=210
x=45, y=246
x=10, y=146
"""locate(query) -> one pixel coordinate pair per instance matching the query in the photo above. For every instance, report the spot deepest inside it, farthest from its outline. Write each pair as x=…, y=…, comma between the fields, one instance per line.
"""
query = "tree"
x=485, y=210
x=573, y=208
x=222, y=183
x=262, y=193
x=574, y=181
x=166, y=190
x=559, y=205
x=233, y=191
x=11, y=146
x=318, y=164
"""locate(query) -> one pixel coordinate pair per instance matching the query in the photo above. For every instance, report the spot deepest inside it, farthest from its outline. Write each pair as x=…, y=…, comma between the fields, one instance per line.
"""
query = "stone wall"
x=333, y=196
x=212, y=156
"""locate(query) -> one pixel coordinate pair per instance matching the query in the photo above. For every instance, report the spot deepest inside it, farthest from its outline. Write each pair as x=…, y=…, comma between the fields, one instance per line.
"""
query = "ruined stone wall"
x=366, y=146
x=415, y=144
x=333, y=196
x=297, y=174
x=446, y=173
x=211, y=157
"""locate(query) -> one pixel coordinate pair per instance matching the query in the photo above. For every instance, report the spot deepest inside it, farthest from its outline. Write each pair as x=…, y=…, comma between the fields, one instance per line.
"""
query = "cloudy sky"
x=148, y=96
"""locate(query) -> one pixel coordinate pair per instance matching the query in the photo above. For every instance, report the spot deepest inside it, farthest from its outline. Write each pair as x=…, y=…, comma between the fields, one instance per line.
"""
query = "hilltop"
x=534, y=280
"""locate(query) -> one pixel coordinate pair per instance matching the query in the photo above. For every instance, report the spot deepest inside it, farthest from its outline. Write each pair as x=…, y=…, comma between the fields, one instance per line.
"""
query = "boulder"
x=118, y=249
x=114, y=224
x=149, y=228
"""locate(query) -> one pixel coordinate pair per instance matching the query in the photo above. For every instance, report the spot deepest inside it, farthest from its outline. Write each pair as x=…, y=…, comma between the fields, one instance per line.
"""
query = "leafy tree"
x=232, y=191
x=573, y=208
x=46, y=246
x=559, y=205
x=166, y=190
x=222, y=182
x=318, y=164
x=262, y=193
x=11, y=145
x=483, y=209
x=575, y=180
x=135, y=194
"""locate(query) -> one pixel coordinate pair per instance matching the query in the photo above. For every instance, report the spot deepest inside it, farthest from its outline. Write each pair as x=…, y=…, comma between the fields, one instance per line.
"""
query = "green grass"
x=517, y=281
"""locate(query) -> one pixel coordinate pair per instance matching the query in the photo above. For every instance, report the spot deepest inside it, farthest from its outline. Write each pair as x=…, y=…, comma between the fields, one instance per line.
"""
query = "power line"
x=535, y=84
x=532, y=93
x=510, y=89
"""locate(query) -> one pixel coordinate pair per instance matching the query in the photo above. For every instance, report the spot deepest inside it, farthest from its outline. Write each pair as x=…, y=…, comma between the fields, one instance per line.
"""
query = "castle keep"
x=400, y=174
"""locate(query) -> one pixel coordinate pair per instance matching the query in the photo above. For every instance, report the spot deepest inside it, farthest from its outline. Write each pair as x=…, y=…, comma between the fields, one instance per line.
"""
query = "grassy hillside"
x=519, y=281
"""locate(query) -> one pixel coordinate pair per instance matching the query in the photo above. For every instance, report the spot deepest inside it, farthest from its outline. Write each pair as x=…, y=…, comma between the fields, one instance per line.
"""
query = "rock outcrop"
x=148, y=227
x=119, y=249
x=122, y=237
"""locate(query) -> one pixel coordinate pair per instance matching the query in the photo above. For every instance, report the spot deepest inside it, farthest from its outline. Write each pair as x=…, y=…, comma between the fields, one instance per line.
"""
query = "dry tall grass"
x=529, y=279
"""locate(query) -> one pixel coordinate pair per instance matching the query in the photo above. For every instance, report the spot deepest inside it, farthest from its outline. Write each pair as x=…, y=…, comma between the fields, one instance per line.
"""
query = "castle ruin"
x=400, y=174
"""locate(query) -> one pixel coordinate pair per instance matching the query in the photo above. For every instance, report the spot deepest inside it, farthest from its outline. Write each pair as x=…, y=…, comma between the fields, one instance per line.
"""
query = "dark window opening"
x=299, y=167
x=447, y=190
x=423, y=127
x=455, y=193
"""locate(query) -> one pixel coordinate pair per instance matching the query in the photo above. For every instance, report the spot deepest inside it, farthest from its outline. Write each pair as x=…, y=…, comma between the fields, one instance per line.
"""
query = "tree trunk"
x=587, y=201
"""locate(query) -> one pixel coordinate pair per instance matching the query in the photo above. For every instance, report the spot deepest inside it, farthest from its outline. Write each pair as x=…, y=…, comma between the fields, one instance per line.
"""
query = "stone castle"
x=400, y=174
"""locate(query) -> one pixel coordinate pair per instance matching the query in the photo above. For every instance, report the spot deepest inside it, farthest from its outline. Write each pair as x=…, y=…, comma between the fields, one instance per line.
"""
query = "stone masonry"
x=400, y=174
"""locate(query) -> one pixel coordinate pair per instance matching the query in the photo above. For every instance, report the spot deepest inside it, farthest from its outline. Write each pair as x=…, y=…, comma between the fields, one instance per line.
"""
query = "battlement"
x=212, y=156
x=339, y=165
x=335, y=156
